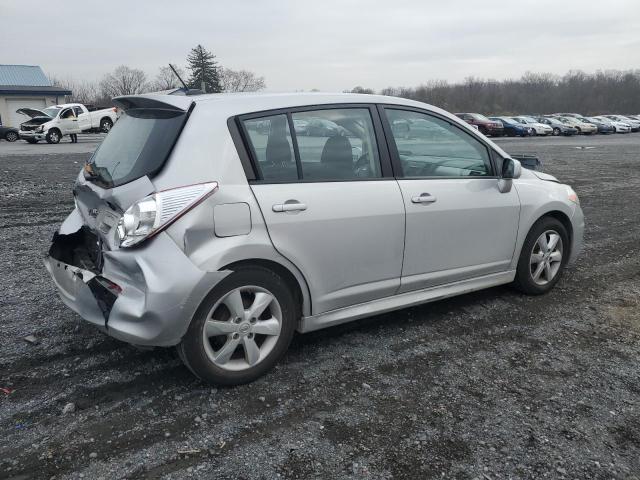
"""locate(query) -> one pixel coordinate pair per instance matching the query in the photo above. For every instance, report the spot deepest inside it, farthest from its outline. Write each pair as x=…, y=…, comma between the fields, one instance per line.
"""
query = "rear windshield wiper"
x=96, y=174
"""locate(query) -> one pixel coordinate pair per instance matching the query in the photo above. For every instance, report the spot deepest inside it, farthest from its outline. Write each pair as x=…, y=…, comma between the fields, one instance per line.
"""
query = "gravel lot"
x=492, y=385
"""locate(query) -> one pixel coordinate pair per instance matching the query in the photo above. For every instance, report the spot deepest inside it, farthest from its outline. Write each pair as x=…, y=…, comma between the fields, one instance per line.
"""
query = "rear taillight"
x=154, y=213
x=109, y=285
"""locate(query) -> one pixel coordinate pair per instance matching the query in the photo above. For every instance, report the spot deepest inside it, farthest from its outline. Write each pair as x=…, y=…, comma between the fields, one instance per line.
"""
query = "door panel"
x=67, y=122
x=348, y=241
x=459, y=225
x=468, y=229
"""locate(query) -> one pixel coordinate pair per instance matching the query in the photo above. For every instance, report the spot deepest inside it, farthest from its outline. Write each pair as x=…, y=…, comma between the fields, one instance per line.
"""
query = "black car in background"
x=513, y=128
x=559, y=128
x=9, y=134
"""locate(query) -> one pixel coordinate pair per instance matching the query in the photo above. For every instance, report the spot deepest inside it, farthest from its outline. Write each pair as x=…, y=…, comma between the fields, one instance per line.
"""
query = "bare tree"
x=360, y=89
x=240, y=81
x=82, y=91
x=603, y=92
x=124, y=81
x=166, y=79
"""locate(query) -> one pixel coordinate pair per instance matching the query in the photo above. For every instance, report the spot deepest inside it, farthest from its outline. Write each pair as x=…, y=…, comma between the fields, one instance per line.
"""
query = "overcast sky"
x=328, y=44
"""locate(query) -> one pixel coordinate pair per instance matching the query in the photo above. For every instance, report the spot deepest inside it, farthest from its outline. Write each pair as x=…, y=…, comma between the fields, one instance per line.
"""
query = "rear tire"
x=543, y=257
x=53, y=136
x=224, y=322
x=11, y=136
x=556, y=132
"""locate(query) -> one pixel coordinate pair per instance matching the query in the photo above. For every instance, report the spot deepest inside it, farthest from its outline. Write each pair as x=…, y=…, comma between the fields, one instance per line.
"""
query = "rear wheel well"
x=275, y=267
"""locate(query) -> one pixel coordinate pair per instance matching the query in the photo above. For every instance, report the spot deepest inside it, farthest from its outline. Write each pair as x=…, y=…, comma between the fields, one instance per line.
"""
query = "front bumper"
x=161, y=290
x=32, y=135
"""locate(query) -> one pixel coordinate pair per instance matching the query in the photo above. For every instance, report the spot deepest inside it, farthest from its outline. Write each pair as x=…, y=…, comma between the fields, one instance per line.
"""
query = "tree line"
x=202, y=71
x=603, y=92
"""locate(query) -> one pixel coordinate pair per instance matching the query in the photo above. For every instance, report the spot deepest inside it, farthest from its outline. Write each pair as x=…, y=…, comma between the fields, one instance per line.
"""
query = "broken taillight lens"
x=154, y=213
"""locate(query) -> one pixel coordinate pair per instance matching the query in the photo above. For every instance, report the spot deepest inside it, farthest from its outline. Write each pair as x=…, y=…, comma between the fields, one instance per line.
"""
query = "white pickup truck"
x=53, y=123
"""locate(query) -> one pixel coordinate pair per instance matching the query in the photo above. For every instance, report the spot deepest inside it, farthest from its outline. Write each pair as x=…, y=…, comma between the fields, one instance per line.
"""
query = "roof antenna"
x=178, y=76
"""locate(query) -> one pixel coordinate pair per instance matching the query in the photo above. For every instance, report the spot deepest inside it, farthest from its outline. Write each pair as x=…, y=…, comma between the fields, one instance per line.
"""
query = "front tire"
x=53, y=136
x=556, y=132
x=241, y=329
x=105, y=125
x=543, y=257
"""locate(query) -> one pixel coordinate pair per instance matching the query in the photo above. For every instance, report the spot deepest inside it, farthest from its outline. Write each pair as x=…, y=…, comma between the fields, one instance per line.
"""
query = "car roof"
x=239, y=103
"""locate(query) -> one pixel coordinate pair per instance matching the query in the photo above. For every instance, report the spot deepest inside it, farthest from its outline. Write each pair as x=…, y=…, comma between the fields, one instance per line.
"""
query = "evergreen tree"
x=203, y=68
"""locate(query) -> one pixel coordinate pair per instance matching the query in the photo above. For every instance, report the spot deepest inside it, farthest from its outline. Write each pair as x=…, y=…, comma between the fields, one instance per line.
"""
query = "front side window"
x=336, y=144
x=430, y=147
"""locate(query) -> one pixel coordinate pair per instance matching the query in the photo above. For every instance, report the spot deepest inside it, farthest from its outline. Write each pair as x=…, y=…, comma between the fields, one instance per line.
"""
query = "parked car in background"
x=487, y=127
x=582, y=127
x=539, y=128
x=227, y=258
x=634, y=124
x=513, y=128
x=9, y=134
x=558, y=127
x=53, y=123
x=320, y=127
x=618, y=127
x=603, y=127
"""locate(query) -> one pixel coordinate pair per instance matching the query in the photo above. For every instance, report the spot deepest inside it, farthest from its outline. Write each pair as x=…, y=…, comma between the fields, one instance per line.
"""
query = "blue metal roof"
x=23, y=75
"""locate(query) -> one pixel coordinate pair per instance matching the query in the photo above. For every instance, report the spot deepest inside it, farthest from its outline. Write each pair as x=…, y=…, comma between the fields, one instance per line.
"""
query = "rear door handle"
x=289, y=207
x=424, y=198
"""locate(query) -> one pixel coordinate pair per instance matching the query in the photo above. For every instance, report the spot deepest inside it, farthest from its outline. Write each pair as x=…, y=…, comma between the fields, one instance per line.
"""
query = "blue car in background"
x=513, y=128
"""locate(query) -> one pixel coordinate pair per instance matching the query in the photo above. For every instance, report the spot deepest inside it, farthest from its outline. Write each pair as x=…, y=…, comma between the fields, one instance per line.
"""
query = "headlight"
x=154, y=213
x=572, y=195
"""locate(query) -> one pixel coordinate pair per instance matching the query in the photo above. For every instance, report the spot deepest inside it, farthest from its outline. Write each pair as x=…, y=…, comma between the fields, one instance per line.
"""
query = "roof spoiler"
x=178, y=103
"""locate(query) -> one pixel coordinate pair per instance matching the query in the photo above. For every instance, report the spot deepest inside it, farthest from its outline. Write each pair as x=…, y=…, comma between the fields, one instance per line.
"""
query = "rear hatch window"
x=137, y=145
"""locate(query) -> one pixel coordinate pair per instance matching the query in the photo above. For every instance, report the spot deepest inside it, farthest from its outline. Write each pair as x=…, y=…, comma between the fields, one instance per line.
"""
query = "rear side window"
x=137, y=145
x=270, y=139
x=337, y=144
x=328, y=145
x=431, y=147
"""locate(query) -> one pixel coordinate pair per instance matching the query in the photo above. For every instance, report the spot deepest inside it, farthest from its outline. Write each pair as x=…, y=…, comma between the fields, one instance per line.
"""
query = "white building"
x=25, y=86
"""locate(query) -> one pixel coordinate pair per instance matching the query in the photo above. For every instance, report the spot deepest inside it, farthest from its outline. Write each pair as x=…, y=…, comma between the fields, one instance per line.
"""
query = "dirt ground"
x=491, y=385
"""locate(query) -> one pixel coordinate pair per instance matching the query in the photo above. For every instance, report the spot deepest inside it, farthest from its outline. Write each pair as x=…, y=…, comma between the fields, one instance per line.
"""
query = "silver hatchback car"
x=219, y=225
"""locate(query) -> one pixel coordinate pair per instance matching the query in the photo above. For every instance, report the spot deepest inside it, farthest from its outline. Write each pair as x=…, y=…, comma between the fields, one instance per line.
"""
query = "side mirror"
x=511, y=169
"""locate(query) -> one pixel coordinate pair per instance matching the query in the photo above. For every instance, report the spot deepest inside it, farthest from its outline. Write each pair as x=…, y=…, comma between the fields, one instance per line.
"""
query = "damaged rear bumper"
x=144, y=296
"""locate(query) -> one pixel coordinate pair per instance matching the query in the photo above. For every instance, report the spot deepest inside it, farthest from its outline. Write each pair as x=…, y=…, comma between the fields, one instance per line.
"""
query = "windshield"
x=477, y=116
x=52, y=111
x=137, y=145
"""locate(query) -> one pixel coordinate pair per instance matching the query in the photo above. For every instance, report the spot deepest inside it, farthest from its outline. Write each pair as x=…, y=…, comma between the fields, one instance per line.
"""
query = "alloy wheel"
x=242, y=328
x=546, y=257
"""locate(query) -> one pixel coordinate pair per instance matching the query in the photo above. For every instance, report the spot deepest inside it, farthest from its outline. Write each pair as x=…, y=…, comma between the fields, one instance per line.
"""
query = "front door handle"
x=289, y=206
x=424, y=198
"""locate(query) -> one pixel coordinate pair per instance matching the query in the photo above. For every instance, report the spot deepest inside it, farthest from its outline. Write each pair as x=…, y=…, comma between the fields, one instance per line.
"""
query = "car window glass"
x=431, y=147
x=336, y=144
x=67, y=114
x=270, y=139
x=78, y=110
